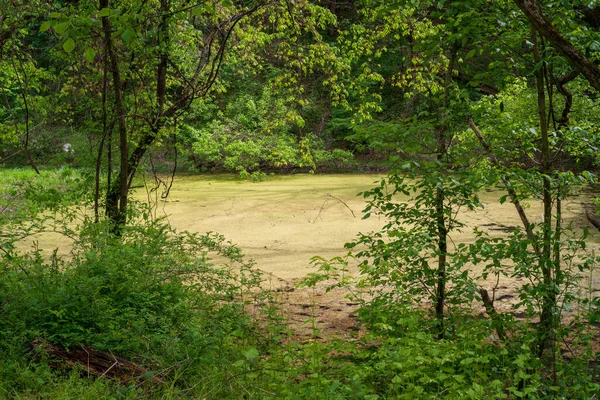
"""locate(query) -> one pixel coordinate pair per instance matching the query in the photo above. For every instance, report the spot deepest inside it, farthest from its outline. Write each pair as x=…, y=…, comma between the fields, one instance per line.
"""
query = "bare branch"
x=514, y=198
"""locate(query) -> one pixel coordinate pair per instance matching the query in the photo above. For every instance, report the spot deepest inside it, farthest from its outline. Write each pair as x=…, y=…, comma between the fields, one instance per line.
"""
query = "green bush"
x=24, y=194
x=255, y=134
x=152, y=295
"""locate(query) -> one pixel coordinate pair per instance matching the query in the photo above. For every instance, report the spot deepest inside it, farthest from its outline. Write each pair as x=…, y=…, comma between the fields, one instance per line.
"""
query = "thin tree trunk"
x=117, y=196
x=161, y=95
x=109, y=167
x=25, y=141
x=442, y=228
x=442, y=232
x=546, y=326
x=509, y=188
x=104, y=135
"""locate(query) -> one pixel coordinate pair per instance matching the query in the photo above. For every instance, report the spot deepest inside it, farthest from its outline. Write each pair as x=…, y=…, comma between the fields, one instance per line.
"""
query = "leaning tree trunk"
x=576, y=58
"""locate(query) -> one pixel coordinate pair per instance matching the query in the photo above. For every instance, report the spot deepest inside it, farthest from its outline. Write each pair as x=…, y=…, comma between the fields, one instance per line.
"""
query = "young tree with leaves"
x=160, y=56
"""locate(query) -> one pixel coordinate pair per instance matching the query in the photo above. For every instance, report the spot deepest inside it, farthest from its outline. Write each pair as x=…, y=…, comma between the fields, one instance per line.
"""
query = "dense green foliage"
x=152, y=295
x=252, y=135
x=452, y=96
x=156, y=297
x=24, y=194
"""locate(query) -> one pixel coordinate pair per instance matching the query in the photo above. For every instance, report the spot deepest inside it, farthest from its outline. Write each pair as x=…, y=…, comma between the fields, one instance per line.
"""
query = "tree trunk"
x=560, y=43
x=104, y=136
x=514, y=198
x=440, y=196
x=116, y=202
x=546, y=327
x=442, y=232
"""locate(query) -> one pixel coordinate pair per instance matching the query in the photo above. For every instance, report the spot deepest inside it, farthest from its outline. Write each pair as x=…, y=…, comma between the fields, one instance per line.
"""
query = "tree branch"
x=560, y=43
x=514, y=198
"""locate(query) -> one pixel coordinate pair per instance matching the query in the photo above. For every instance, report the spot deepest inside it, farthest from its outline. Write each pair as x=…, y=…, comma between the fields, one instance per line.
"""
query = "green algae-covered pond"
x=285, y=220
x=281, y=222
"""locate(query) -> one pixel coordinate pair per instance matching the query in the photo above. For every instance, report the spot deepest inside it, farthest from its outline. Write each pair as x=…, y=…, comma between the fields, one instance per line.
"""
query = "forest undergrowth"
x=157, y=317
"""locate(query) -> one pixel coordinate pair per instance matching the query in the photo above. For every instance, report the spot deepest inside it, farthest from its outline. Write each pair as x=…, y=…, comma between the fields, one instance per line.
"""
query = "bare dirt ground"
x=284, y=221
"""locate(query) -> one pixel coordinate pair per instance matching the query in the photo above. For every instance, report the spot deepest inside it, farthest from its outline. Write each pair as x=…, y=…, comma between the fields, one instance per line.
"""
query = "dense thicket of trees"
x=449, y=96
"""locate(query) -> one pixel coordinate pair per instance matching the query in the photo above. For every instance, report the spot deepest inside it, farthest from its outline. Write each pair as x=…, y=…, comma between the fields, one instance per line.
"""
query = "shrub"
x=152, y=295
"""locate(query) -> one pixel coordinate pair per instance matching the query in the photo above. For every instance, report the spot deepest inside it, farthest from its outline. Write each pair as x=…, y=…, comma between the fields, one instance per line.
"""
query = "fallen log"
x=592, y=217
x=94, y=362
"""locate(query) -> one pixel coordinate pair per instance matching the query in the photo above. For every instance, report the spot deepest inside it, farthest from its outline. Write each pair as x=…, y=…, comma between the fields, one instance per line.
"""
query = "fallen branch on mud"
x=592, y=217
x=95, y=362
x=327, y=198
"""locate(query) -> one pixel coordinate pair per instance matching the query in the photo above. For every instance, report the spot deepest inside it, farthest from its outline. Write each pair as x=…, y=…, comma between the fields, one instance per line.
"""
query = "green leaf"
x=591, y=178
x=90, y=55
x=69, y=45
x=198, y=10
x=207, y=8
x=105, y=12
x=127, y=35
x=251, y=353
x=239, y=363
x=61, y=28
x=55, y=15
x=46, y=25
x=226, y=3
